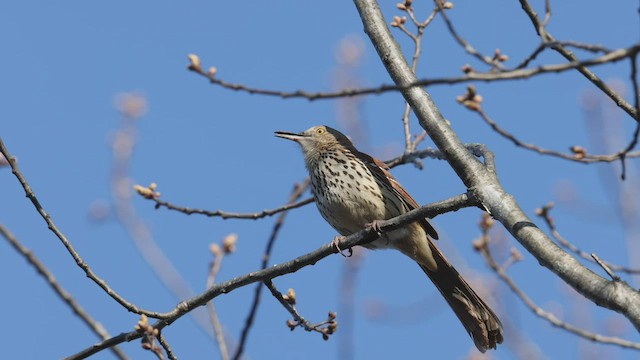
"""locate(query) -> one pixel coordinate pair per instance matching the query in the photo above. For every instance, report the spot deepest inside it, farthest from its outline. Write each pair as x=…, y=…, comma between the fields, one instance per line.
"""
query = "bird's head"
x=316, y=140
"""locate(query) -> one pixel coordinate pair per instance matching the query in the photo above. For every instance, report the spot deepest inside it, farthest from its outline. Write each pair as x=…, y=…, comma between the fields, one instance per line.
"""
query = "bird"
x=353, y=190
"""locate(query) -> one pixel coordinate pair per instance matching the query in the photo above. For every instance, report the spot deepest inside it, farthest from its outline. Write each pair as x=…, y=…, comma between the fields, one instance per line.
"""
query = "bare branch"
x=515, y=74
x=594, y=48
x=230, y=215
x=465, y=44
x=167, y=348
x=545, y=45
x=477, y=149
x=66, y=297
x=65, y=242
x=417, y=41
x=411, y=157
x=538, y=50
x=576, y=156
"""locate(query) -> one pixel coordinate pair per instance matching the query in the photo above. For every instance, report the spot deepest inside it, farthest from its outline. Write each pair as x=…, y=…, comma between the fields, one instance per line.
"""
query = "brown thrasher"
x=353, y=190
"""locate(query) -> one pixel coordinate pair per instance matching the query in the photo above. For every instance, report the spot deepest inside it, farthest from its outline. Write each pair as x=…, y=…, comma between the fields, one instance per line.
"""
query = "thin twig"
x=167, y=348
x=536, y=52
x=547, y=13
x=230, y=215
x=65, y=242
x=465, y=44
x=63, y=294
x=402, y=159
x=611, y=57
x=636, y=101
x=478, y=150
x=545, y=213
x=604, y=266
x=546, y=45
x=297, y=192
x=417, y=41
x=576, y=157
x=594, y=48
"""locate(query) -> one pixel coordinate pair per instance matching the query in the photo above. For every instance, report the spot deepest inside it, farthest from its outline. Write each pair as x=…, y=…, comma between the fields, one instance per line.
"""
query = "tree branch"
x=226, y=214
x=581, y=157
x=362, y=237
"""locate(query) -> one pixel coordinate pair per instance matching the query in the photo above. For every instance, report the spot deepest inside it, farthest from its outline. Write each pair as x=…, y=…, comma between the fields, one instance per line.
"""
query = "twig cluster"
x=289, y=301
x=482, y=246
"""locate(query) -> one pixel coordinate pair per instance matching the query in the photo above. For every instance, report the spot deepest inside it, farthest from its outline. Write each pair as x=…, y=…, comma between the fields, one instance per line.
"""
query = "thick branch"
x=615, y=295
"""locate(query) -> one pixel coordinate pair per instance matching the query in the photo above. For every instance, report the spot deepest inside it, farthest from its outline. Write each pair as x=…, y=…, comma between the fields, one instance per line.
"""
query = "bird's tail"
x=475, y=315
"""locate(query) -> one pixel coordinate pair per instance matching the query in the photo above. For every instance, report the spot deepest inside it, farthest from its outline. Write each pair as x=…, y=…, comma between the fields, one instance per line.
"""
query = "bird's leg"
x=336, y=244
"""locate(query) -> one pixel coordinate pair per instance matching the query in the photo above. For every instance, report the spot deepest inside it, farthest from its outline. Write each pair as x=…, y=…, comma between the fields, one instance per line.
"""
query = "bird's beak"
x=289, y=135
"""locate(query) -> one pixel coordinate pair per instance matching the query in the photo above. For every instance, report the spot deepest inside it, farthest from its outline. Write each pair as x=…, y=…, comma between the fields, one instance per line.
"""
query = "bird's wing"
x=379, y=169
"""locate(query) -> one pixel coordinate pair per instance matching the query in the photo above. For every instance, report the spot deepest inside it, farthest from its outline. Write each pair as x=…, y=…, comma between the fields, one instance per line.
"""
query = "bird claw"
x=375, y=225
x=336, y=244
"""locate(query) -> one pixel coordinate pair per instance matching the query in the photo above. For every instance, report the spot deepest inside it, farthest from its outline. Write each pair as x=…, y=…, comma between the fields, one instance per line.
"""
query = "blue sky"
x=206, y=147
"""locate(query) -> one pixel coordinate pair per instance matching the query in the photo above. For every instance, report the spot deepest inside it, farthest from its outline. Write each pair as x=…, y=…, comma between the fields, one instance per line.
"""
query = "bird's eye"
x=320, y=131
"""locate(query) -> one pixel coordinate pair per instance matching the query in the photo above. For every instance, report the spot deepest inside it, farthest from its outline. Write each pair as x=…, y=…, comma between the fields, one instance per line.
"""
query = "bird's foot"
x=375, y=225
x=336, y=244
